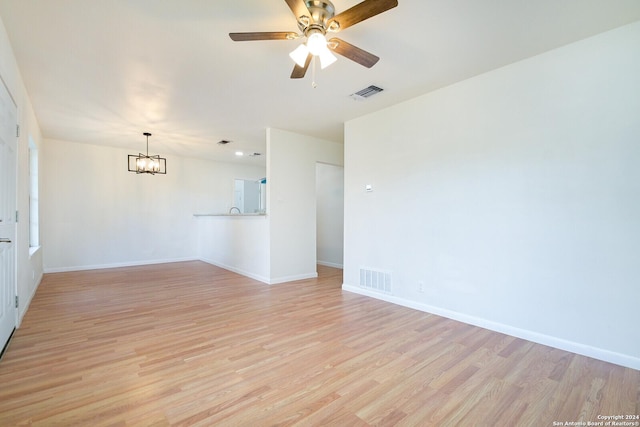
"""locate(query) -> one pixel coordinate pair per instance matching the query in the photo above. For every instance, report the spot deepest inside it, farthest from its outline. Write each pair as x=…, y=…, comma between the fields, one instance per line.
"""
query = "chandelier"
x=142, y=163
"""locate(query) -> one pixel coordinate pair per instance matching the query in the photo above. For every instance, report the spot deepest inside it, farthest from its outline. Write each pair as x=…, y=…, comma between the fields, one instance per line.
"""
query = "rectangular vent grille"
x=366, y=92
x=376, y=280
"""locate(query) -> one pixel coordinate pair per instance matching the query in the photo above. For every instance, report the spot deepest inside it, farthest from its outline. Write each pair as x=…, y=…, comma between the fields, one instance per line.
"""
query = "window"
x=34, y=208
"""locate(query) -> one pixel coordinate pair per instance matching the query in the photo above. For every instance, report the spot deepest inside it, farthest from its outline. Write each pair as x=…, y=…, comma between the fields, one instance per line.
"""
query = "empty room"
x=320, y=213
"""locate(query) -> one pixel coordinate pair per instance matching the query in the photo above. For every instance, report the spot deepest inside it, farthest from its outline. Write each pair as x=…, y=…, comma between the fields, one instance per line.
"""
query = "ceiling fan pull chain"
x=313, y=73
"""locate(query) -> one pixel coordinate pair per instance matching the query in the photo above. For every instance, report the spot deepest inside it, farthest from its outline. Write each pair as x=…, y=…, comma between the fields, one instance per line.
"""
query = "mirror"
x=250, y=196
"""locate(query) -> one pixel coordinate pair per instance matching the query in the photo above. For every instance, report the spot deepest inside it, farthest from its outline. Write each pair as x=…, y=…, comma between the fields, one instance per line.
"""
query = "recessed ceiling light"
x=239, y=153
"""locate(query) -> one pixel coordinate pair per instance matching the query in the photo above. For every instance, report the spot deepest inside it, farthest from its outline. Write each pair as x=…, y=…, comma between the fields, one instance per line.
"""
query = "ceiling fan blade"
x=352, y=52
x=298, y=71
x=298, y=7
x=362, y=11
x=276, y=35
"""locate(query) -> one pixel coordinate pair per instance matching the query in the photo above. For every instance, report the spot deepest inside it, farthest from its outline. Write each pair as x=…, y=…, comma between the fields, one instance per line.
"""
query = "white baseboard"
x=285, y=279
x=548, y=340
x=330, y=264
x=262, y=279
x=114, y=265
x=240, y=271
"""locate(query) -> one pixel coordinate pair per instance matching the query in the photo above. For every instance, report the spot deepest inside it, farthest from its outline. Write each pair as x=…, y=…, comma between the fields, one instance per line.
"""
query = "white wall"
x=329, y=214
x=29, y=266
x=291, y=201
x=514, y=196
x=236, y=243
x=97, y=214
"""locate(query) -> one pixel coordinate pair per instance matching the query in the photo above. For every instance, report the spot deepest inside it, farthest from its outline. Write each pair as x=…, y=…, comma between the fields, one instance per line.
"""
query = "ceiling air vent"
x=224, y=142
x=366, y=92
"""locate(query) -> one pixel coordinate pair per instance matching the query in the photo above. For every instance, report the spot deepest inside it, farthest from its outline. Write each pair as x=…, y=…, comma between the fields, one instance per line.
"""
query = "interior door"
x=8, y=158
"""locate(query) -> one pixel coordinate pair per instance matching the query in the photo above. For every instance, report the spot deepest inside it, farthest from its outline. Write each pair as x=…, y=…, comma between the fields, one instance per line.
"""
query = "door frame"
x=14, y=232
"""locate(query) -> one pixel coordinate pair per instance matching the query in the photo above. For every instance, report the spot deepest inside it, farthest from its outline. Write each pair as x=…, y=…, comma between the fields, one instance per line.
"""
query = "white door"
x=8, y=143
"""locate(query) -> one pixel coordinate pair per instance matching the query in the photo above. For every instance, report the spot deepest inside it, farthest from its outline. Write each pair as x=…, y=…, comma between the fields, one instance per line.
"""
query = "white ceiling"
x=104, y=72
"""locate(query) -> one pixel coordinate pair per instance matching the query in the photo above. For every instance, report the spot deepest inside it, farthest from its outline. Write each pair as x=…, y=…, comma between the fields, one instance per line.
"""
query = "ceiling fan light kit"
x=315, y=18
x=299, y=55
x=317, y=46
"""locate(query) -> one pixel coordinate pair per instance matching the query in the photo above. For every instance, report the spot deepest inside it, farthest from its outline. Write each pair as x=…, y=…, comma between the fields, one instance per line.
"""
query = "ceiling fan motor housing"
x=321, y=12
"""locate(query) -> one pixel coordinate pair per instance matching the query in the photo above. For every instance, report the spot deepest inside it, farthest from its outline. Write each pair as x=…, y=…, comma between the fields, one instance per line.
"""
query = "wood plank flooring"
x=190, y=344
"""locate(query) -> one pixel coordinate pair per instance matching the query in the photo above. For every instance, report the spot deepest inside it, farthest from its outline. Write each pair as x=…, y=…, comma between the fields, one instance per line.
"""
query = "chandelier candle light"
x=142, y=163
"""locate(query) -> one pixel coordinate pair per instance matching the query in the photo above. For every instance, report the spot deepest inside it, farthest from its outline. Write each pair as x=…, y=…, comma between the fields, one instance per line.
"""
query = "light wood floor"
x=191, y=344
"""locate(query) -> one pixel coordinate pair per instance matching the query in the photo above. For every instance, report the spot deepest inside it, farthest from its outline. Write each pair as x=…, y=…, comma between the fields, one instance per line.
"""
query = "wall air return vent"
x=376, y=280
x=366, y=92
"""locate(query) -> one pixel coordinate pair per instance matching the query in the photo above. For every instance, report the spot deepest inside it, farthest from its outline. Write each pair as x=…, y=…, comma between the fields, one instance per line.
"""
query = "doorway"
x=329, y=215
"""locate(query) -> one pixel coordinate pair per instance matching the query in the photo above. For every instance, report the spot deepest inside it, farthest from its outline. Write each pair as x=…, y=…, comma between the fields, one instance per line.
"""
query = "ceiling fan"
x=315, y=19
